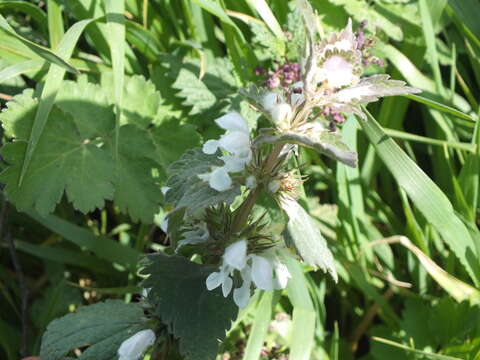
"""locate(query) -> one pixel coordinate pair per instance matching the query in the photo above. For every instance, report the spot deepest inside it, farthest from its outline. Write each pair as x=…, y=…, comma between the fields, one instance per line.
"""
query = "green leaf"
x=324, y=142
x=198, y=317
x=202, y=94
x=102, y=327
x=20, y=68
x=137, y=191
x=187, y=190
x=427, y=197
x=52, y=84
x=267, y=45
x=63, y=161
x=306, y=237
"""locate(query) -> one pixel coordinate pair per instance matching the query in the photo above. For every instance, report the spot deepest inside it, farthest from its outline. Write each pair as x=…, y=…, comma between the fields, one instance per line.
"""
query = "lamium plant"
x=222, y=248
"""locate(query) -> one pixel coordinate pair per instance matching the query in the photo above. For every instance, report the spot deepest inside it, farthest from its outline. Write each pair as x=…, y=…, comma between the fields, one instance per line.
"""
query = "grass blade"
x=116, y=40
x=426, y=195
x=37, y=14
x=45, y=53
x=55, y=23
x=20, y=68
x=263, y=315
x=303, y=319
x=266, y=14
x=105, y=248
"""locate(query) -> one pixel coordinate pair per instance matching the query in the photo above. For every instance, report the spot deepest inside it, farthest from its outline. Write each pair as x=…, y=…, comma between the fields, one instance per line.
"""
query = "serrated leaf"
x=187, y=190
x=267, y=45
x=306, y=237
x=141, y=100
x=172, y=139
x=202, y=94
x=88, y=105
x=137, y=191
x=329, y=144
x=62, y=161
x=198, y=317
x=102, y=327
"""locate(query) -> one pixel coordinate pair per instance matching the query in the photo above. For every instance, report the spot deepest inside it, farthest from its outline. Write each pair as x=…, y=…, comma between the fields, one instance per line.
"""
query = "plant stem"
x=243, y=212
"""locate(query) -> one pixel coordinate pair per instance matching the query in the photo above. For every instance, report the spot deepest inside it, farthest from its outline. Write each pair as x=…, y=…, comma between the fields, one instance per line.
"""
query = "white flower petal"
x=215, y=279
x=134, y=347
x=227, y=286
x=220, y=180
x=281, y=113
x=262, y=272
x=339, y=72
x=233, y=163
x=241, y=295
x=270, y=100
x=233, y=121
x=281, y=275
x=164, y=190
x=210, y=147
x=235, y=142
x=205, y=177
x=236, y=254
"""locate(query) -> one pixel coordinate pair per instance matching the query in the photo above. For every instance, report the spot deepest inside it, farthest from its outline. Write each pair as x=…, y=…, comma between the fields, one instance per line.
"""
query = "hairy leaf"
x=102, y=327
x=188, y=190
x=306, y=237
x=195, y=315
x=324, y=142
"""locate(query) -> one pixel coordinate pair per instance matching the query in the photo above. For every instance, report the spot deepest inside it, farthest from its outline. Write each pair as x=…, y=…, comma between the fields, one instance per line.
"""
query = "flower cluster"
x=264, y=270
x=236, y=143
x=286, y=75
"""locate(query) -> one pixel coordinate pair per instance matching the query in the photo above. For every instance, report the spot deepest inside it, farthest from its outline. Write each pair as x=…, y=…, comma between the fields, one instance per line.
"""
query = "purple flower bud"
x=259, y=70
x=289, y=75
x=272, y=82
x=295, y=67
x=286, y=67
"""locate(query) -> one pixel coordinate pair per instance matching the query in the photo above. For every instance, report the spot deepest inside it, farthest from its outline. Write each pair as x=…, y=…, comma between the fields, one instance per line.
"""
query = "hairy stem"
x=243, y=212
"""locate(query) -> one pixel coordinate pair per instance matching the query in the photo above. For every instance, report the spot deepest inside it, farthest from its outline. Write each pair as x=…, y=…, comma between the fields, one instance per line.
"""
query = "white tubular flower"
x=264, y=270
x=235, y=255
x=134, y=347
x=236, y=142
x=218, y=179
x=251, y=182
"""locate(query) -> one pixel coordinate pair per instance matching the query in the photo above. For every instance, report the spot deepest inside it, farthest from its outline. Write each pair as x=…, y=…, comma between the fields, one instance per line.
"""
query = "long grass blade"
x=426, y=195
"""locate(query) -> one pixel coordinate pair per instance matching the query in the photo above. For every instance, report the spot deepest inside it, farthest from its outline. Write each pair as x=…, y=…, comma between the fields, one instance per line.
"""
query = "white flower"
x=338, y=72
x=264, y=270
x=274, y=185
x=235, y=255
x=236, y=142
x=134, y=347
x=218, y=179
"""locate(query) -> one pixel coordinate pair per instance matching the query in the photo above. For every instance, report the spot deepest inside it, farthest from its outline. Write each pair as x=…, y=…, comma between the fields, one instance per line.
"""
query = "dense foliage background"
x=72, y=228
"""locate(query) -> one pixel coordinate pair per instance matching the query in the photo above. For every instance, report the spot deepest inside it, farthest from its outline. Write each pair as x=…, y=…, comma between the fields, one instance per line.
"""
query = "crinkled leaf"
x=198, y=317
x=102, y=327
x=62, y=161
x=267, y=45
x=188, y=190
x=324, y=142
x=306, y=237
